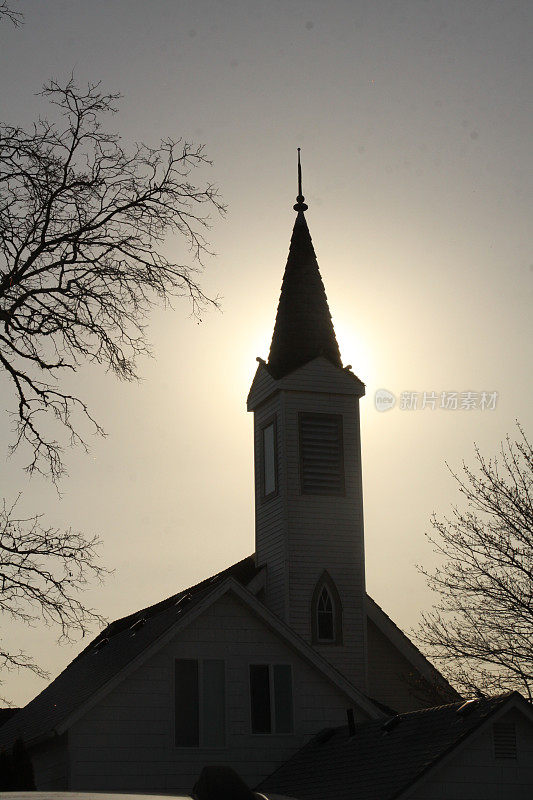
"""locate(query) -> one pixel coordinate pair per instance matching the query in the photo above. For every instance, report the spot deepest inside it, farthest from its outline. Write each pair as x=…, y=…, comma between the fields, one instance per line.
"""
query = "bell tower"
x=307, y=451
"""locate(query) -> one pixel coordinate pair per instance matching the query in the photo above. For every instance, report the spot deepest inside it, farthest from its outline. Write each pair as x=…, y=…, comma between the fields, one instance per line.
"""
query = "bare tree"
x=41, y=571
x=85, y=229
x=481, y=629
x=6, y=12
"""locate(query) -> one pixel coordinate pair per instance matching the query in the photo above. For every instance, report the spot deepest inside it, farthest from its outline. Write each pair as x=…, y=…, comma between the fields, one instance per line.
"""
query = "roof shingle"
x=303, y=329
x=110, y=652
x=382, y=759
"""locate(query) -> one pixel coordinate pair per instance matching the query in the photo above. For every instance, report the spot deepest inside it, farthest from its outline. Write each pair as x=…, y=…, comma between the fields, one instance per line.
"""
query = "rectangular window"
x=321, y=454
x=271, y=698
x=283, y=698
x=187, y=703
x=214, y=703
x=269, y=467
x=260, y=698
x=200, y=703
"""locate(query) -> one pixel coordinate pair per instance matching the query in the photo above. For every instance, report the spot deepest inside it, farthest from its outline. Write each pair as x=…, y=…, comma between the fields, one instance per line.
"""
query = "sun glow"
x=354, y=347
x=355, y=350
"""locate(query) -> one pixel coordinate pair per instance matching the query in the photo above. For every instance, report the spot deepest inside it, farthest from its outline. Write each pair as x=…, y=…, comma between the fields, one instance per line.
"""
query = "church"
x=280, y=666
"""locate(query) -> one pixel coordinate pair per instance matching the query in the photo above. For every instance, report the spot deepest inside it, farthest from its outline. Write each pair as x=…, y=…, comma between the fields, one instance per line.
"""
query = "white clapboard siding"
x=326, y=533
x=263, y=385
x=270, y=516
x=126, y=741
x=298, y=536
x=320, y=375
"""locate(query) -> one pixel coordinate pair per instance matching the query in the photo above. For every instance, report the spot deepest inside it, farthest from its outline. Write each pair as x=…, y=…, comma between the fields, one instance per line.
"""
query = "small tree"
x=84, y=238
x=42, y=570
x=481, y=629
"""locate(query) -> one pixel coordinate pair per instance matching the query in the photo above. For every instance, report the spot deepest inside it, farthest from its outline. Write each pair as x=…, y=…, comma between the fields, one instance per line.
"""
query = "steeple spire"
x=303, y=329
x=300, y=205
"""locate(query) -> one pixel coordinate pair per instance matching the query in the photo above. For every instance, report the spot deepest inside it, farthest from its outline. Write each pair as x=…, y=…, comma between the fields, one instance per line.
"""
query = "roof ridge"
x=489, y=700
x=118, y=625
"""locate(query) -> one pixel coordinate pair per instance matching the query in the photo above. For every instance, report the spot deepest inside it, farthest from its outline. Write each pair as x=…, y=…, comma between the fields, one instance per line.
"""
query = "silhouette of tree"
x=481, y=629
x=7, y=12
x=84, y=238
x=41, y=571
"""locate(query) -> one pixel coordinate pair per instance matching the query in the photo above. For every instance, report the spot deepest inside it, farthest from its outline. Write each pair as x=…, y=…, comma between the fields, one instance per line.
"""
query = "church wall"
x=392, y=679
x=270, y=518
x=327, y=533
x=50, y=764
x=320, y=375
x=475, y=774
x=126, y=742
x=262, y=387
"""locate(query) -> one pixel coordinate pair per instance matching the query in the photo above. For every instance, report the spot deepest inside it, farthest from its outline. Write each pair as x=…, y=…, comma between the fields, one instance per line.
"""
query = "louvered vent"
x=504, y=736
x=321, y=454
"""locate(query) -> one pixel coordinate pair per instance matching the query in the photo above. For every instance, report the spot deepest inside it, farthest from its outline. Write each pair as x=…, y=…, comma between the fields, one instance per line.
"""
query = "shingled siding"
x=326, y=533
x=125, y=742
x=475, y=774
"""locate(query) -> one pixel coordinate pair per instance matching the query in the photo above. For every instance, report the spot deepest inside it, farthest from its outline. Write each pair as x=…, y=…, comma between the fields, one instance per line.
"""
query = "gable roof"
x=120, y=643
x=303, y=328
x=125, y=644
x=381, y=760
x=316, y=375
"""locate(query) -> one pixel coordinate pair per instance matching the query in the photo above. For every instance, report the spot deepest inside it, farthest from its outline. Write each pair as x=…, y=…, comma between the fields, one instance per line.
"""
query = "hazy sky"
x=414, y=120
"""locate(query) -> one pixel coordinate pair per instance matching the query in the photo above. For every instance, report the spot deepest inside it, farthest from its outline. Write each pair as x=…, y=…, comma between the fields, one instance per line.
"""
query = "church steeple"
x=303, y=329
x=307, y=451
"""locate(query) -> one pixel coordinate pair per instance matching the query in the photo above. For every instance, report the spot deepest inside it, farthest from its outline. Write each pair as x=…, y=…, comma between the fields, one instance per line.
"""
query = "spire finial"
x=300, y=205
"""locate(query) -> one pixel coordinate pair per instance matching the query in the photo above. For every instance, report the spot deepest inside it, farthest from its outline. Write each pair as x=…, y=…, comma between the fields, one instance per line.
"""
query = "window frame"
x=319, y=611
x=338, y=418
x=326, y=581
x=272, y=420
x=201, y=737
x=271, y=665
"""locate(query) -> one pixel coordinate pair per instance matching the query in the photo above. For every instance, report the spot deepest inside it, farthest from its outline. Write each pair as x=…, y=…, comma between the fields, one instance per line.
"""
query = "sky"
x=414, y=120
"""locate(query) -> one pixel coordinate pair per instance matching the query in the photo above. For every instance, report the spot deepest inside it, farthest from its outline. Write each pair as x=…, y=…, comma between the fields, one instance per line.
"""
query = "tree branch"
x=85, y=229
x=481, y=628
x=42, y=570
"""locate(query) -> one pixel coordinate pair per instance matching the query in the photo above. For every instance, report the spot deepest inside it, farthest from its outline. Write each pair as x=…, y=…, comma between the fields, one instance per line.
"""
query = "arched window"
x=326, y=612
x=325, y=622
